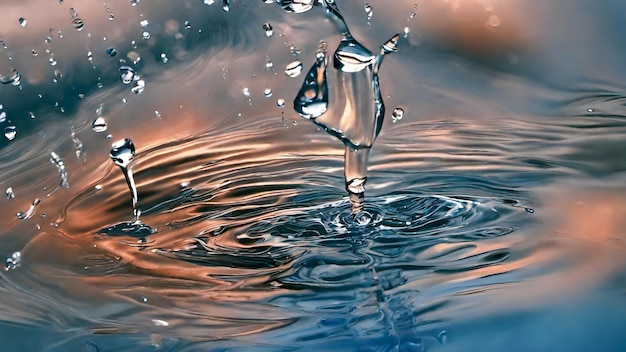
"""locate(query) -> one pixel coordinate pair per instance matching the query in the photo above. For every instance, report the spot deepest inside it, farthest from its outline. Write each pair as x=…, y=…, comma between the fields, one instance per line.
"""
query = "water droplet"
x=267, y=92
x=145, y=35
x=23, y=215
x=159, y=322
x=164, y=58
x=14, y=78
x=226, y=5
x=134, y=57
x=157, y=113
x=187, y=24
x=144, y=23
x=127, y=74
x=22, y=21
x=529, y=210
x=78, y=146
x=134, y=2
x=140, y=85
x=99, y=124
x=32, y=116
x=9, y=193
x=10, y=132
x=73, y=13
x=78, y=24
x=13, y=261
x=590, y=110
x=209, y=2
x=368, y=10
x=35, y=52
x=397, y=114
x=294, y=68
x=280, y=102
x=312, y=99
x=111, y=51
x=52, y=61
x=269, y=31
x=407, y=30
x=351, y=56
x=296, y=6
x=47, y=39
x=246, y=92
x=60, y=165
x=122, y=152
x=268, y=62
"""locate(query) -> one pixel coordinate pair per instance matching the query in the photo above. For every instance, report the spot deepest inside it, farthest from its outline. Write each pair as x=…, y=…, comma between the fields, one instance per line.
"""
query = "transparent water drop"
x=157, y=113
x=31, y=115
x=144, y=23
x=14, y=78
x=35, y=52
x=22, y=21
x=111, y=51
x=407, y=31
x=529, y=210
x=209, y=2
x=140, y=85
x=590, y=110
x=187, y=24
x=134, y=2
x=269, y=31
x=246, y=92
x=78, y=24
x=294, y=68
x=9, y=193
x=47, y=39
x=99, y=124
x=145, y=35
x=280, y=102
x=52, y=60
x=79, y=149
x=13, y=261
x=164, y=58
x=122, y=153
x=10, y=132
x=159, y=322
x=296, y=6
x=23, y=215
x=73, y=13
x=60, y=165
x=397, y=114
x=226, y=5
x=442, y=337
x=351, y=56
x=312, y=99
x=267, y=92
x=369, y=10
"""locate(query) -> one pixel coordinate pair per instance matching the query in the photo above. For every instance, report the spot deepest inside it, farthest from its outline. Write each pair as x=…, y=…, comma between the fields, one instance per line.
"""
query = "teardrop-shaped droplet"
x=99, y=124
x=122, y=152
x=351, y=56
x=312, y=99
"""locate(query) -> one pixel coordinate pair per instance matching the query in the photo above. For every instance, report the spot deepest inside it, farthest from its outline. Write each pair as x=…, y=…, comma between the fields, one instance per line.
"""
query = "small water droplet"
x=35, y=52
x=14, y=78
x=268, y=62
x=406, y=31
x=157, y=113
x=144, y=23
x=134, y=2
x=269, y=31
x=529, y=210
x=9, y=193
x=60, y=165
x=13, y=261
x=280, y=102
x=23, y=215
x=78, y=146
x=246, y=92
x=111, y=51
x=127, y=74
x=590, y=110
x=267, y=92
x=78, y=24
x=99, y=124
x=294, y=68
x=226, y=5
x=397, y=114
x=209, y=2
x=140, y=85
x=47, y=39
x=22, y=21
x=32, y=116
x=10, y=132
x=187, y=24
x=145, y=35
x=164, y=58
x=73, y=13
x=159, y=322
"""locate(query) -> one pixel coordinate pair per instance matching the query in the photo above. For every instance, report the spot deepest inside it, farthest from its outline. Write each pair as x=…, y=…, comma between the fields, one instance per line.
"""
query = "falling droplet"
x=296, y=6
x=269, y=31
x=47, y=39
x=590, y=110
x=268, y=62
x=23, y=215
x=13, y=261
x=111, y=51
x=14, y=78
x=10, y=132
x=78, y=146
x=99, y=124
x=246, y=92
x=157, y=113
x=140, y=85
x=397, y=114
x=280, y=102
x=312, y=99
x=164, y=58
x=60, y=165
x=351, y=56
x=294, y=68
x=9, y=193
x=145, y=35
x=73, y=13
x=226, y=5
x=529, y=210
x=187, y=24
x=134, y=2
x=209, y=2
x=144, y=23
x=267, y=92
x=22, y=21
x=122, y=153
x=78, y=24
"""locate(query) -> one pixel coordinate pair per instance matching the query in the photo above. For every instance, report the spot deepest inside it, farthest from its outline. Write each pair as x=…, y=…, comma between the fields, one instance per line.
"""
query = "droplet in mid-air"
x=134, y=2
x=144, y=23
x=187, y=24
x=269, y=31
x=267, y=92
x=397, y=114
x=14, y=78
x=127, y=74
x=280, y=102
x=352, y=56
x=140, y=85
x=164, y=58
x=297, y=6
x=122, y=152
x=22, y=21
x=10, y=132
x=226, y=5
x=13, y=261
x=111, y=51
x=78, y=24
x=312, y=99
x=246, y=92
x=99, y=124
x=9, y=193
x=294, y=68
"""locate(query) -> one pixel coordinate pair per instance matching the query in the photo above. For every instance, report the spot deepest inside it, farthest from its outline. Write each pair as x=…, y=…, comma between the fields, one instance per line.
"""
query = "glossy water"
x=495, y=213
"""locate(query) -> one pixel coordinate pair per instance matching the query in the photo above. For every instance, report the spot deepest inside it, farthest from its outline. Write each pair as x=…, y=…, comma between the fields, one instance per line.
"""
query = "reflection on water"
x=494, y=219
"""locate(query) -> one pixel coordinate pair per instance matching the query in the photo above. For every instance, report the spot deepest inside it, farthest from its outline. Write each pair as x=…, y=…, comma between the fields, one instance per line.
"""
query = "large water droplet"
x=351, y=56
x=10, y=132
x=297, y=6
x=294, y=68
x=122, y=152
x=99, y=124
x=78, y=24
x=312, y=99
x=14, y=78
